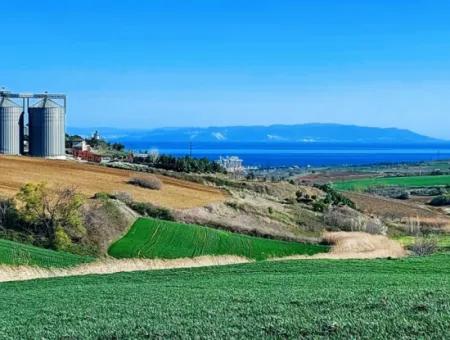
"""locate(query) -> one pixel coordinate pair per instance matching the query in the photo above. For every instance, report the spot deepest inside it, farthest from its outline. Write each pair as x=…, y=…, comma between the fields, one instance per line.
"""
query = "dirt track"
x=354, y=245
x=90, y=179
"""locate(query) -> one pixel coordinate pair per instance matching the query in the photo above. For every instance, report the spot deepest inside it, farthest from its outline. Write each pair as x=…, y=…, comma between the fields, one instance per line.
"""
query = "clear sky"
x=153, y=63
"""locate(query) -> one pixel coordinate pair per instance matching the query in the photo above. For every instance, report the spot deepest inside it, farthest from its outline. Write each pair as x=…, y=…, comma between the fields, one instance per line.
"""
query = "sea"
x=270, y=155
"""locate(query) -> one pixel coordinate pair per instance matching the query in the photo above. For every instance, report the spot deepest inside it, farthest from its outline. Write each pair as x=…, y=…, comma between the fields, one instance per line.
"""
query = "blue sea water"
x=302, y=154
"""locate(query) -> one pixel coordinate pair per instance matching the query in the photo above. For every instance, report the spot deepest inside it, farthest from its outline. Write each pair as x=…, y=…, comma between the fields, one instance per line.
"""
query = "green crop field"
x=150, y=238
x=13, y=253
x=405, y=298
x=413, y=181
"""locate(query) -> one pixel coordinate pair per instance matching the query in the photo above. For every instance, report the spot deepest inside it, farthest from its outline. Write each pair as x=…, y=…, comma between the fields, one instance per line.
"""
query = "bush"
x=424, y=246
x=62, y=240
x=335, y=198
x=149, y=182
x=347, y=219
x=123, y=196
x=149, y=210
x=440, y=200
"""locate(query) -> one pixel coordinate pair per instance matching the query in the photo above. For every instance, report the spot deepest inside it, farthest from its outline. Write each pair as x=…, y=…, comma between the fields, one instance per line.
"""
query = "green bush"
x=440, y=200
x=149, y=210
x=333, y=197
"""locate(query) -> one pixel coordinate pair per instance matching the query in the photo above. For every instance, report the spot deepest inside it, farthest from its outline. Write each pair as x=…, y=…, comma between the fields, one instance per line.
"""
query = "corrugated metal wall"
x=11, y=127
x=47, y=129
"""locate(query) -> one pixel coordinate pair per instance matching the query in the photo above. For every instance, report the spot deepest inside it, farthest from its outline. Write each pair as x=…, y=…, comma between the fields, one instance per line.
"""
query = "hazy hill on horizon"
x=314, y=132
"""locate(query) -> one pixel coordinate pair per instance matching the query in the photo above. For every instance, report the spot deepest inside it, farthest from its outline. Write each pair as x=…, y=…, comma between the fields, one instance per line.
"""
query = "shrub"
x=123, y=196
x=424, y=246
x=335, y=198
x=320, y=206
x=149, y=210
x=102, y=196
x=149, y=182
x=440, y=200
x=62, y=240
x=8, y=212
x=347, y=219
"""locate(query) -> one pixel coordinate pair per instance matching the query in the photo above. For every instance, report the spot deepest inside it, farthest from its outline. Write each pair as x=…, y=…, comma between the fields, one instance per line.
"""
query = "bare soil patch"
x=90, y=179
x=401, y=211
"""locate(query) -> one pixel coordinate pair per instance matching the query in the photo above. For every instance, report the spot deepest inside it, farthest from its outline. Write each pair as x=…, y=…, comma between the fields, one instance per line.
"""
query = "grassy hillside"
x=413, y=181
x=408, y=298
x=13, y=253
x=150, y=238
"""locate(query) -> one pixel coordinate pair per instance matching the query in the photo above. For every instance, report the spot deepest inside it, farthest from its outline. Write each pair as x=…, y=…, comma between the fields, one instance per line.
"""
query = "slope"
x=13, y=253
x=406, y=298
x=150, y=238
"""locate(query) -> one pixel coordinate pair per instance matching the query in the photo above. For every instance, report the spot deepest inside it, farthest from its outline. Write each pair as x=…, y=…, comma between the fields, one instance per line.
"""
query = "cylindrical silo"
x=11, y=127
x=47, y=129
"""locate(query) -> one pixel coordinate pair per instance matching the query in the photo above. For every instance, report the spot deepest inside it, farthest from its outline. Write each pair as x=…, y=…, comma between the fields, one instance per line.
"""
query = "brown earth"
x=402, y=211
x=90, y=179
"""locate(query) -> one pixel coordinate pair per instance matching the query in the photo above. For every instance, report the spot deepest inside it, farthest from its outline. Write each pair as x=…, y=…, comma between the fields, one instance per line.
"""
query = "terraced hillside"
x=382, y=299
x=411, y=181
x=151, y=238
x=13, y=253
x=90, y=179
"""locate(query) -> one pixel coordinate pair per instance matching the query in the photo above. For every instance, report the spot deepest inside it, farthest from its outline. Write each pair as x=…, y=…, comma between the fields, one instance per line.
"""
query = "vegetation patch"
x=151, y=238
x=13, y=253
x=148, y=182
x=441, y=200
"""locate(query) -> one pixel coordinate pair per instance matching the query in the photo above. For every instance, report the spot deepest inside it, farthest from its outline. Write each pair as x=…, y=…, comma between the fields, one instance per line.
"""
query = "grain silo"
x=47, y=129
x=11, y=127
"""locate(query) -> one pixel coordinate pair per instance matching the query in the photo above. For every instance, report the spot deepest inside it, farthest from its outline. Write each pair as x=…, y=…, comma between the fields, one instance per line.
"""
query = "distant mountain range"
x=310, y=133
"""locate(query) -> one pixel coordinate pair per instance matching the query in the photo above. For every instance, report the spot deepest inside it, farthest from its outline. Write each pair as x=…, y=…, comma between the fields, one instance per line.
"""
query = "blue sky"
x=161, y=63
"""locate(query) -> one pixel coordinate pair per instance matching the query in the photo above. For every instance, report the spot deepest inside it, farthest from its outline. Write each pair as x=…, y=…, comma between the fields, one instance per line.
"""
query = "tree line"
x=181, y=164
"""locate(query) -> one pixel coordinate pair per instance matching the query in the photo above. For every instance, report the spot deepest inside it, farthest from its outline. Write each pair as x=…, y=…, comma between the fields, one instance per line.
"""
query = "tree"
x=8, y=212
x=53, y=213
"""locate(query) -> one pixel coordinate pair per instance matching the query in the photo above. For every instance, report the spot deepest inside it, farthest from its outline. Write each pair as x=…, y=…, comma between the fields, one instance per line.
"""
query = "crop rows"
x=406, y=298
x=13, y=253
x=151, y=238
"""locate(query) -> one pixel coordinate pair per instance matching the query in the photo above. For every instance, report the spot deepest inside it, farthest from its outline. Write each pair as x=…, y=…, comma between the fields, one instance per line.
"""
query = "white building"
x=232, y=164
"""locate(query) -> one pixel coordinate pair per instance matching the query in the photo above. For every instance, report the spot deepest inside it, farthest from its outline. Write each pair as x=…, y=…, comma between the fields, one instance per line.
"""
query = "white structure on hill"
x=232, y=164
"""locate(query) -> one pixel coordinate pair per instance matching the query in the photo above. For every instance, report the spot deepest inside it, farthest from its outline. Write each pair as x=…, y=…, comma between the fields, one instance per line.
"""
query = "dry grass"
x=90, y=179
x=402, y=211
x=110, y=266
x=357, y=245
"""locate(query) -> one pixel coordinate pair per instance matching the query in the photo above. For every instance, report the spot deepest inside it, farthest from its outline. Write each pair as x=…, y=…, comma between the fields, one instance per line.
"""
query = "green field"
x=413, y=181
x=442, y=241
x=406, y=298
x=13, y=253
x=151, y=238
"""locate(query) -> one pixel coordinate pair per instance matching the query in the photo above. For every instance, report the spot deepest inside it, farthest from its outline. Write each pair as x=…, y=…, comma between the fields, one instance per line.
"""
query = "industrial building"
x=46, y=124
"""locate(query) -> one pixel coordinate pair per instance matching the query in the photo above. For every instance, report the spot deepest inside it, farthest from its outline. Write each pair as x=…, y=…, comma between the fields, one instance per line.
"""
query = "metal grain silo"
x=47, y=129
x=11, y=127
